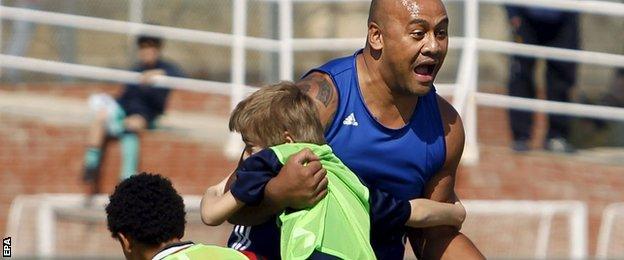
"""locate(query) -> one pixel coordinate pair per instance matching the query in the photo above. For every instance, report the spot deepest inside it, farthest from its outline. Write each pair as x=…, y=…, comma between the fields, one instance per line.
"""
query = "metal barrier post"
x=464, y=100
x=1, y=33
x=286, y=38
x=234, y=145
x=135, y=15
x=45, y=229
x=579, y=235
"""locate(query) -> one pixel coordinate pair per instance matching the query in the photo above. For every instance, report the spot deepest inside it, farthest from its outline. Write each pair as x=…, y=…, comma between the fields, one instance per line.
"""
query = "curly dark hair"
x=146, y=208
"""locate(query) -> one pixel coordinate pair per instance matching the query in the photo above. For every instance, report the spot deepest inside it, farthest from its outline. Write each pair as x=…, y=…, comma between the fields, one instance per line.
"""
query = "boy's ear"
x=126, y=243
x=288, y=137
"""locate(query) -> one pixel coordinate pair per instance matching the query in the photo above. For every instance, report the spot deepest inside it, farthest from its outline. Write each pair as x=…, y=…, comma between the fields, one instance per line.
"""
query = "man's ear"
x=288, y=137
x=126, y=242
x=374, y=37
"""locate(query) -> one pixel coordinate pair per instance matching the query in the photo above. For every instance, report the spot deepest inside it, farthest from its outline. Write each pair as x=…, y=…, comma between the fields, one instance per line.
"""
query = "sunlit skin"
x=412, y=43
x=406, y=45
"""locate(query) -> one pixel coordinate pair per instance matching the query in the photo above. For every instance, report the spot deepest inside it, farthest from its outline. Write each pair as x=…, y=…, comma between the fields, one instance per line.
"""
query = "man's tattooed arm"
x=322, y=90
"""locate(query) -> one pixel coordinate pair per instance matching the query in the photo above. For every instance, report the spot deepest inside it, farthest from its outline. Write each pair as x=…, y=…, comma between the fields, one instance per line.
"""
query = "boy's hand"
x=148, y=75
x=301, y=183
x=461, y=214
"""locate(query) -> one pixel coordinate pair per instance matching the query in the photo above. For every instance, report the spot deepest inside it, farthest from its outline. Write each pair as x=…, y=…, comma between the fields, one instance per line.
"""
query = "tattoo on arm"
x=325, y=92
x=324, y=95
x=304, y=86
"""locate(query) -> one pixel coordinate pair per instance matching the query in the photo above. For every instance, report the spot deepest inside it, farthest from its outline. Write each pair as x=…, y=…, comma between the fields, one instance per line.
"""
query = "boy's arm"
x=389, y=214
x=245, y=187
x=429, y=213
x=215, y=209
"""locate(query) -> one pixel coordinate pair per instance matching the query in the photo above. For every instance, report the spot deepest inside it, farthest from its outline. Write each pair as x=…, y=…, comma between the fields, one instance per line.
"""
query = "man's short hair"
x=269, y=112
x=146, y=208
x=147, y=40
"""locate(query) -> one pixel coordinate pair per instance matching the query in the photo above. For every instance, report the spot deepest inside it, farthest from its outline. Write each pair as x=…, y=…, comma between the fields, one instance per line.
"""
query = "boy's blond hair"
x=268, y=113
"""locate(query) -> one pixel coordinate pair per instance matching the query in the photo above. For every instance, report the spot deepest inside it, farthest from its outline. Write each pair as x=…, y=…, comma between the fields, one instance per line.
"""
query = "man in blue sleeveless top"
x=384, y=120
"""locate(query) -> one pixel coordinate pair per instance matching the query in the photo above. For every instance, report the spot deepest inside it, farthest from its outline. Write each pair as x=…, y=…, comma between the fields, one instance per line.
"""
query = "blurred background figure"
x=615, y=94
x=551, y=28
x=608, y=133
x=23, y=33
x=135, y=110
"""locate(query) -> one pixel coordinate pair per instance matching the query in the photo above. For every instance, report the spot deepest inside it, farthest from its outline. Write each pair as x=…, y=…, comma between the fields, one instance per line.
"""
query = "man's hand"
x=147, y=77
x=301, y=183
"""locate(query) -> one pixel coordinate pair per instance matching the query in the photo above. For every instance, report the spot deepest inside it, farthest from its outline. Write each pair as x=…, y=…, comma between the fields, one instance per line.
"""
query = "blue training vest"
x=398, y=161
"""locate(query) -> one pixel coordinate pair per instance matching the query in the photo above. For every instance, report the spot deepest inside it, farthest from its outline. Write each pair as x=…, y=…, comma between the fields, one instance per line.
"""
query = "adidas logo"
x=350, y=120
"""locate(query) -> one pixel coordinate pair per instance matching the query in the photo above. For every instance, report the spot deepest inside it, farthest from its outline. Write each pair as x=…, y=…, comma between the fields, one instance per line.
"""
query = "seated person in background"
x=279, y=121
x=146, y=214
x=134, y=111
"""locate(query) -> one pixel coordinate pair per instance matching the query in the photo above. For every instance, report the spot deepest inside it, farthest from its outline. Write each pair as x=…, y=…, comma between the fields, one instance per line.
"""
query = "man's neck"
x=390, y=106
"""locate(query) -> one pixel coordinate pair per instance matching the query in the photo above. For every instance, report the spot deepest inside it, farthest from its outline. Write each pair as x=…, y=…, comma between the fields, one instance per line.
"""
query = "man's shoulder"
x=450, y=118
x=320, y=87
x=454, y=134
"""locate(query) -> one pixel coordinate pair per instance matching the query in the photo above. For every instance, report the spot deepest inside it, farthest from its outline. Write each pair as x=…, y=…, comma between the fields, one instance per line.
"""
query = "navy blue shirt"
x=147, y=101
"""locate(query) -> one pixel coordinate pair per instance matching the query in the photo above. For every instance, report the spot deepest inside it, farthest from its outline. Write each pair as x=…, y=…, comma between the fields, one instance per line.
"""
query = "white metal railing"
x=536, y=51
x=466, y=95
x=577, y=224
x=131, y=28
x=114, y=75
x=609, y=215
